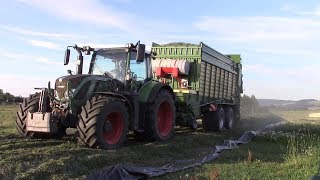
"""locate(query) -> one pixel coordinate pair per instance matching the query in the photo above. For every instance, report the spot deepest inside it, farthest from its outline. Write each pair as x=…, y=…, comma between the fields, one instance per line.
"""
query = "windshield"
x=111, y=63
x=138, y=68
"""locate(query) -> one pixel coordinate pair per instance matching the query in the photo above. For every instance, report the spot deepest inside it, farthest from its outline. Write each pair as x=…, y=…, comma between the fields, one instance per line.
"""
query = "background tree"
x=1, y=96
x=249, y=105
x=8, y=98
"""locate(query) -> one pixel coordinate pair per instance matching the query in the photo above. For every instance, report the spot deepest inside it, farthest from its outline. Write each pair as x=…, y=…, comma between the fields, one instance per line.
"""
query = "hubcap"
x=164, y=118
x=221, y=120
x=107, y=126
x=231, y=118
x=113, y=128
x=221, y=124
x=230, y=123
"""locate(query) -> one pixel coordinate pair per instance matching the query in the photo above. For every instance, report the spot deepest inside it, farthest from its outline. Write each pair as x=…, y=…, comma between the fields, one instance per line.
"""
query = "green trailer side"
x=213, y=78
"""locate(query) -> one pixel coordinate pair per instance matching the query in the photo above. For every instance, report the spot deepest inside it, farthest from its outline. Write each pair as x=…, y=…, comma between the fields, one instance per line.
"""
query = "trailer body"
x=213, y=79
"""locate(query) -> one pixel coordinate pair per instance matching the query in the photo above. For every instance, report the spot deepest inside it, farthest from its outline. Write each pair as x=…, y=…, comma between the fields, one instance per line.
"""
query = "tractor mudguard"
x=149, y=91
x=147, y=94
x=132, y=104
x=127, y=101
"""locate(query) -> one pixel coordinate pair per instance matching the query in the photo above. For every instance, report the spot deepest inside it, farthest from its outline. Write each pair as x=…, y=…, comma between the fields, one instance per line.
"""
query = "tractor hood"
x=82, y=86
x=62, y=83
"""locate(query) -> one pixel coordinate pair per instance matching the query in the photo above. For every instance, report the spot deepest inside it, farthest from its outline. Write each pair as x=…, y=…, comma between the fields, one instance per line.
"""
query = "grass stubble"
x=290, y=152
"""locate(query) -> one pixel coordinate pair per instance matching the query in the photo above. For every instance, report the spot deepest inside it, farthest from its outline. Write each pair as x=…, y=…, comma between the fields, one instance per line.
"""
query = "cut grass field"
x=291, y=152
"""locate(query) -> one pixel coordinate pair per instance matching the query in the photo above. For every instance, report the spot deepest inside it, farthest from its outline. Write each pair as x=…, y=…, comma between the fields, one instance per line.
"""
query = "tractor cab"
x=121, y=64
x=114, y=62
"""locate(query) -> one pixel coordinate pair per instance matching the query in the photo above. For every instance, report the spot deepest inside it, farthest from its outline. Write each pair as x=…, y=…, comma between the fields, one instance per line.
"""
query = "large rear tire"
x=30, y=104
x=103, y=123
x=214, y=120
x=160, y=117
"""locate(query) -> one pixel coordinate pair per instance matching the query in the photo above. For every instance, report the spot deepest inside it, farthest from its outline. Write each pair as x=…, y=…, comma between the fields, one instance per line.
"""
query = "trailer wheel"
x=229, y=119
x=30, y=104
x=160, y=117
x=103, y=123
x=214, y=120
x=236, y=112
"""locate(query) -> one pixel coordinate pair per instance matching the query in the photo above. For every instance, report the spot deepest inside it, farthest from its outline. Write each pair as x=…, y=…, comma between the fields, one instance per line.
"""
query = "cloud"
x=298, y=82
x=23, y=85
x=103, y=15
x=281, y=88
x=287, y=8
x=45, y=44
x=264, y=34
x=46, y=61
x=124, y=1
x=21, y=57
x=260, y=28
x=83, y=11
x=10, y=55
x=28, y=32
x=313, y=12
x=301, y=11
x=98, y=45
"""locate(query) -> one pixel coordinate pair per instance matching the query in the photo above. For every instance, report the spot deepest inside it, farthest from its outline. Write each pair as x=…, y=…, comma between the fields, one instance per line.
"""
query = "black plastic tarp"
x=135, y=172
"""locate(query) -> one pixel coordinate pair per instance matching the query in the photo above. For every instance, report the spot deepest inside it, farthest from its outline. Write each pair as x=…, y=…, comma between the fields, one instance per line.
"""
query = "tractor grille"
x=66, y=83
x=61, y=88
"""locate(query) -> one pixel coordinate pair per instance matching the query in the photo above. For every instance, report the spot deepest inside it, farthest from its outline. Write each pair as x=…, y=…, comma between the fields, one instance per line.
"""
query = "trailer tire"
x=103, y=123
x=229, y=118
x=160, y=117
x=214, y=120
x=236, y=111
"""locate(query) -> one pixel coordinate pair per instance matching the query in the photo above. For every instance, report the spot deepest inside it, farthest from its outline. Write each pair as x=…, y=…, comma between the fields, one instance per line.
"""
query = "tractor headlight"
x=71, y=93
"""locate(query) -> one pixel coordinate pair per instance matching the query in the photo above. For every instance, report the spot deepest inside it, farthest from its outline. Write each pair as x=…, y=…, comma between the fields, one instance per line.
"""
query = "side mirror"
x=141, y=50
x=69, y=72
x=67, y=57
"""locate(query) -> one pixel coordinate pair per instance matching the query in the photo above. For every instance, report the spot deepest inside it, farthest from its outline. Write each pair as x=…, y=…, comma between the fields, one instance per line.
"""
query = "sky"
x=277, y=39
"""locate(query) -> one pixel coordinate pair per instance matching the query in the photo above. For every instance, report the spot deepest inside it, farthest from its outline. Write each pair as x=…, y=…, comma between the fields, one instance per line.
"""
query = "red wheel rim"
x=116, y=121
x=165, y=118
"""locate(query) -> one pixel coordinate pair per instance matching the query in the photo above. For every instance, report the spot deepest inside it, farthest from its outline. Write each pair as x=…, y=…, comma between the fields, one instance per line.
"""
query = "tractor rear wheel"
x=214, y=120
x=103, y=123
x=160, y=117
x=30, y=104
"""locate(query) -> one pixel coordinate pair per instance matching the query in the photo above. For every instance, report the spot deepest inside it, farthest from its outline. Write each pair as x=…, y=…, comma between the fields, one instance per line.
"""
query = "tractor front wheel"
x=103, y=123
x=160, y=117
x=30, y=104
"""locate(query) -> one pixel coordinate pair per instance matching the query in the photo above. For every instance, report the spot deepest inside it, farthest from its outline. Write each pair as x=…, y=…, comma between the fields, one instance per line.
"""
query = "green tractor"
x=117, y=95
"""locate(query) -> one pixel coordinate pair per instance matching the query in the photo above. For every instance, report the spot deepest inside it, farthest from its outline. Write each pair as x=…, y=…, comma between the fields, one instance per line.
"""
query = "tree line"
x=249, y=105
x=7, y=98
